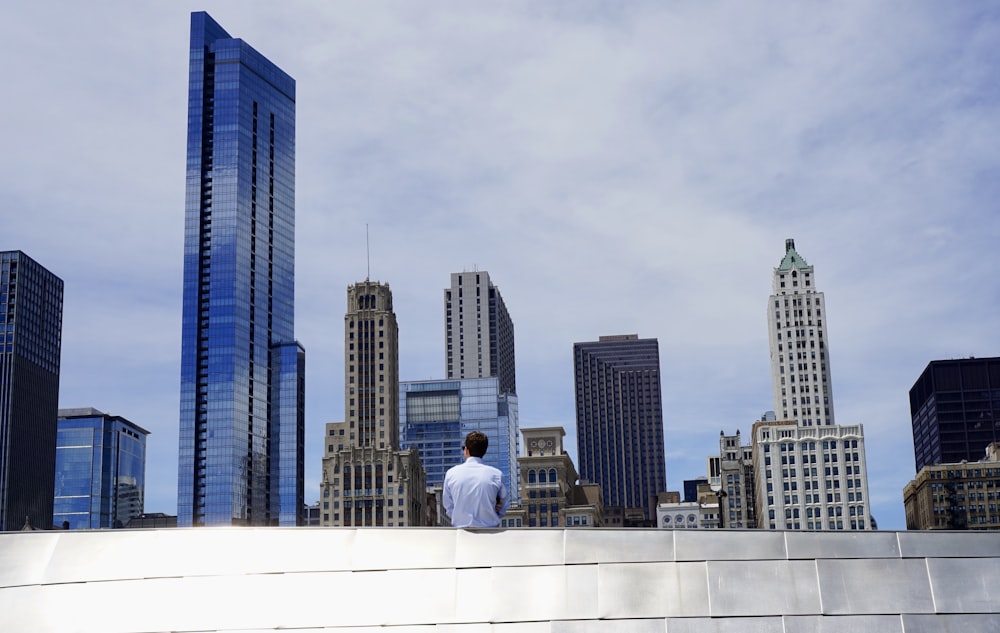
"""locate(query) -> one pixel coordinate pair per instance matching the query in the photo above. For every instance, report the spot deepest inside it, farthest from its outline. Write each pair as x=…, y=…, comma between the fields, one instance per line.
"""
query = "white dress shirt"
x=474, y=494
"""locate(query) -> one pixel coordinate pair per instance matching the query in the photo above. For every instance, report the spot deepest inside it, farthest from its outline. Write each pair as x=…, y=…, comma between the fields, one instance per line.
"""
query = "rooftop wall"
x=518, y=581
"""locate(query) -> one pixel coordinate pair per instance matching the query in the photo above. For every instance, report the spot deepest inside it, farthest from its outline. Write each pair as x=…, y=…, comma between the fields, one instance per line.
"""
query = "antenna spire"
x=368, y=255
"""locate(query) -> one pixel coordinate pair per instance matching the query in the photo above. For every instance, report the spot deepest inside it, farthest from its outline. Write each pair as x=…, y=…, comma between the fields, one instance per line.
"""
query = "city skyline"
x=616, y=169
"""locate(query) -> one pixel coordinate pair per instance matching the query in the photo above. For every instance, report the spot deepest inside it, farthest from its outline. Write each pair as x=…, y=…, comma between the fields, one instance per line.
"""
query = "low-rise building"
x=962, y=496
x=551, y=493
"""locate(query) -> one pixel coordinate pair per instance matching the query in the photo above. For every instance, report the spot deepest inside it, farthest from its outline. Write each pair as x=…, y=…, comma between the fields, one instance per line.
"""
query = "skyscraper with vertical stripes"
x=810, y=473
x=367, y=480
x=478, y=331
x=241, y=448
x=619, y=425
x=800, y=350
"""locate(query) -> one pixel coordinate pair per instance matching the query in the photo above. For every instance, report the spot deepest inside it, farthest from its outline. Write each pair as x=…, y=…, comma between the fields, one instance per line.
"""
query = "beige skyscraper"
x=367, y=479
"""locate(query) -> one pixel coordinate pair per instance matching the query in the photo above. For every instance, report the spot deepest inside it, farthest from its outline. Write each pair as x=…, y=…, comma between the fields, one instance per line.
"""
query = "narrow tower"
x=242, y=372
x=367, y=479
x=800, y=356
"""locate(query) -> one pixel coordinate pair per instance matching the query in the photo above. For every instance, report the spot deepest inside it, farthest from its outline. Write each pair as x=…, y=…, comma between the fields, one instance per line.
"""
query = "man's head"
x=476, y=443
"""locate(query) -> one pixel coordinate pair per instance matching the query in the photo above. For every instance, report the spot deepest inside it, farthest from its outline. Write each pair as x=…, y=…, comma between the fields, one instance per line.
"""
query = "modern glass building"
x=955, y=410
x=31, y=301
x=100, y=470
x=241, y=412
x=436, y=415
x=619, y=425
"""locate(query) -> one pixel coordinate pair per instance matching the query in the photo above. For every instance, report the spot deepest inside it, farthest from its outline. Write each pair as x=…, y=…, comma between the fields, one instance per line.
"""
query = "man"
x=474, y=494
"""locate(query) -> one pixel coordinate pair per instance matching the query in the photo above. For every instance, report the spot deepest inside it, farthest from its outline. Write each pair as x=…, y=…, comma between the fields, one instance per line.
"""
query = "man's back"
x=474, y=494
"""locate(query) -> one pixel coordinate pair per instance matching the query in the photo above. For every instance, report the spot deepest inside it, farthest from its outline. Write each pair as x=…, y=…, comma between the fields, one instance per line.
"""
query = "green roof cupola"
x=792, y=259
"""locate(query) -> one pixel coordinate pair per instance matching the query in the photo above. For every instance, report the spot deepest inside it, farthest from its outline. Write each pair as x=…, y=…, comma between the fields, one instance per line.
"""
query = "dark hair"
x=477, y=442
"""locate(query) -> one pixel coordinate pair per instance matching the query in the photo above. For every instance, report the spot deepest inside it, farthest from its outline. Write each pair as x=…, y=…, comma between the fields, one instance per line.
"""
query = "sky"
x=617, y=168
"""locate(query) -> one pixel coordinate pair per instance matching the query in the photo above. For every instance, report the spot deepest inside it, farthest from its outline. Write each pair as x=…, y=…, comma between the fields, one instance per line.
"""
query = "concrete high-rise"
x=619, y=425
x=241, y=447
x=800, y=356
x=478, y=331
x=31, y=301
x=367, y=480
x=100, y=470
x=955, y=410
x=809, y=472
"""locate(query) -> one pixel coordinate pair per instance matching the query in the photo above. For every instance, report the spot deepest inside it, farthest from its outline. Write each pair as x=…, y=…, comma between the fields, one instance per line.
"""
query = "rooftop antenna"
x=368, y=255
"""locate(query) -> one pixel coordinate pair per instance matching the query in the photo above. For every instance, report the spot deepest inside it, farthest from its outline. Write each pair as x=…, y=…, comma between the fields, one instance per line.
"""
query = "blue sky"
x=617, y=168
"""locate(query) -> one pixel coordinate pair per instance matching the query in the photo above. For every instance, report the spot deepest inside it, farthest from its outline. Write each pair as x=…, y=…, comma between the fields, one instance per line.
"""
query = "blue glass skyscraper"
x=100, y=469
x=436, y=415
x=241, y=413
x=31, y=301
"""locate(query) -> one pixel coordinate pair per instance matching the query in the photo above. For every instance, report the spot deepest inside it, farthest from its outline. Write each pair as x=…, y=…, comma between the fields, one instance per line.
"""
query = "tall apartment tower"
x=800, y=357
x=809, y=472
x=478, y=332
x=242, y=423
x=367, y=480
x=954, y=411
x=100, y=470
x=31, y=301
x=619, y=425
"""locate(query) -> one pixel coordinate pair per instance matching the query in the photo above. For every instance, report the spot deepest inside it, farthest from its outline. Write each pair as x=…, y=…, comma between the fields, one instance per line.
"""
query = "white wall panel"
x=430, y=580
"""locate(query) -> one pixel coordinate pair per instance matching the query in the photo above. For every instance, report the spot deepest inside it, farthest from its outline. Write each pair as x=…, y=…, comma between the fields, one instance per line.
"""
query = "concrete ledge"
x=518, y=581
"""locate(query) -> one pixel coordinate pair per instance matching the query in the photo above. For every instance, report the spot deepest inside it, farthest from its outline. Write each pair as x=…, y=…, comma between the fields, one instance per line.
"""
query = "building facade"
x=241, y=414
x=100, y=470
x=367, y=479
x=955, y=410
x=958, y=496
x=619, y=425
x=689, y=515
x=436, y=415
x=736, y=484
x=478, y=331
x=551, y=495
x=811, y=478
x=810, y=473
x=31, y=301
x=800, y=355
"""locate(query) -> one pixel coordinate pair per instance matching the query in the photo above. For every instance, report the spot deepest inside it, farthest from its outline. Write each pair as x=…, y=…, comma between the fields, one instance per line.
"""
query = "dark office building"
x=619, y=425
x=100, y=470
x=241, y=413
x=31, y=301
x=955, y=410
